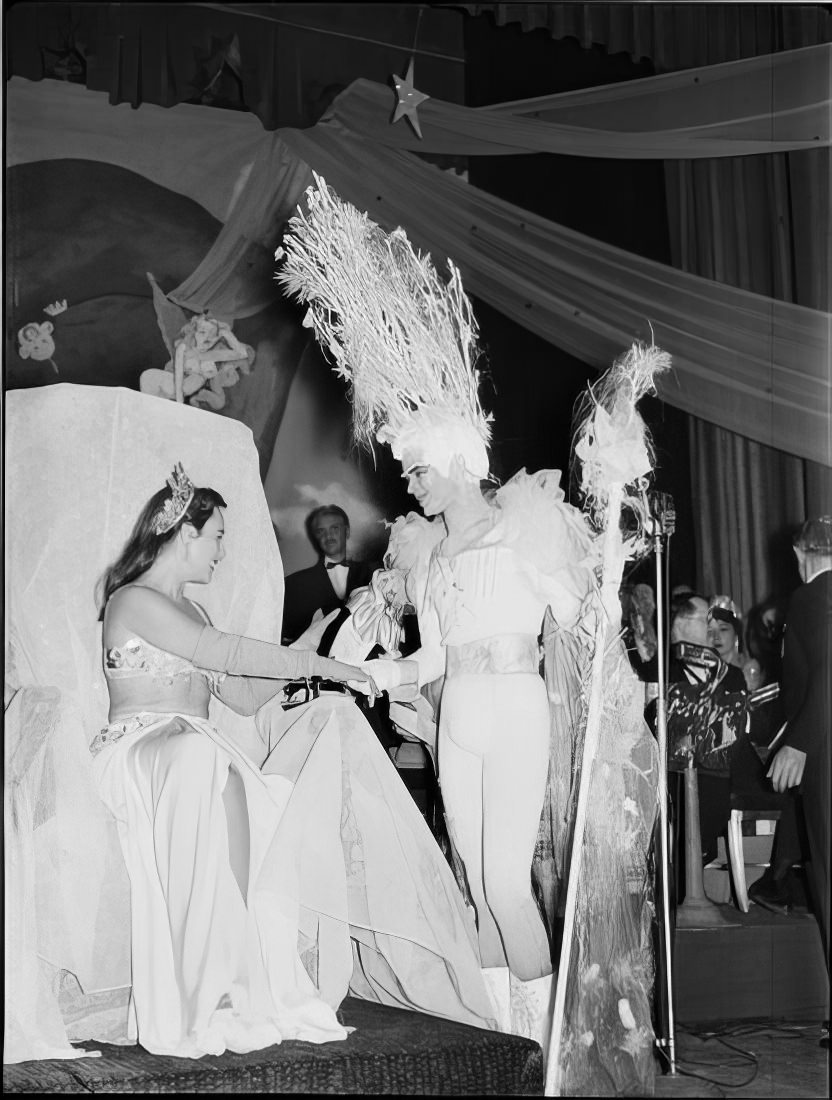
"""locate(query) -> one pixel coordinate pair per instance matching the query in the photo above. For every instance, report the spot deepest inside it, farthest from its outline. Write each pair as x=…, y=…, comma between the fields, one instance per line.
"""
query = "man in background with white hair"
x=804, y=759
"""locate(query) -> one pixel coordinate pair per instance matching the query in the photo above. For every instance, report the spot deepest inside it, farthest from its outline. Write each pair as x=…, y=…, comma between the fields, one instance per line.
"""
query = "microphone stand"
x=660, y=522
x=662, y=518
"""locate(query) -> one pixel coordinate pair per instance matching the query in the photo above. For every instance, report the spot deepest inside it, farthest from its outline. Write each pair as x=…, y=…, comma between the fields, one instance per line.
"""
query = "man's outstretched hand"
x=786, y=768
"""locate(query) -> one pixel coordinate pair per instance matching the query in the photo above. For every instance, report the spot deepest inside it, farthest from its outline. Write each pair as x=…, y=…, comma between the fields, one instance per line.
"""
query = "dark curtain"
x=748, y=223
x=760, y=223
x=283, y=62
x=531, y=384
x=672, y=36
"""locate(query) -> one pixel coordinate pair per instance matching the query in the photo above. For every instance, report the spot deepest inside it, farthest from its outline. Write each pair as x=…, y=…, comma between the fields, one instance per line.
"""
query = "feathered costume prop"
x=405, y=341
x=602, y=1036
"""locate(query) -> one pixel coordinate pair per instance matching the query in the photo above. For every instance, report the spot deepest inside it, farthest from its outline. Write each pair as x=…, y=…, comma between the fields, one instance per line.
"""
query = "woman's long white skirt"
x=347, y=890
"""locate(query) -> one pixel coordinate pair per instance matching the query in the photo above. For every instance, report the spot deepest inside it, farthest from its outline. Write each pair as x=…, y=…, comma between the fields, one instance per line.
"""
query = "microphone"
x=662, y=513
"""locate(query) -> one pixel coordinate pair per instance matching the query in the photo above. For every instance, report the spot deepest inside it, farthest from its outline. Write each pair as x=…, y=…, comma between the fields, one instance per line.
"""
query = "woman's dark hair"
x=762, y=643
x=143, y=546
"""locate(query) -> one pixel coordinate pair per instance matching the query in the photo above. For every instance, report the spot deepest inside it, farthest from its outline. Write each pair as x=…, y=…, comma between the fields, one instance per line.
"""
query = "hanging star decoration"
x=408, y=99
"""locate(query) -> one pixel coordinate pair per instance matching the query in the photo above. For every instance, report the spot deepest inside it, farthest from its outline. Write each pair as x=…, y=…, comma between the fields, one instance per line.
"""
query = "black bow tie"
x=335, y=564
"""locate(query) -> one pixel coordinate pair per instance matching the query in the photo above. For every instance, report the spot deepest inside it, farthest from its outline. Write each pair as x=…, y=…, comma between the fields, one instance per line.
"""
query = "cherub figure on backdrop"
x=36, y=340
x=207, y=359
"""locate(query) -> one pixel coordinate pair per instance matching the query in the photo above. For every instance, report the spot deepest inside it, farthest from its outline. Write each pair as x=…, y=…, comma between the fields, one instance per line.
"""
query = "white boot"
x=498, y=984
x=531, y=1009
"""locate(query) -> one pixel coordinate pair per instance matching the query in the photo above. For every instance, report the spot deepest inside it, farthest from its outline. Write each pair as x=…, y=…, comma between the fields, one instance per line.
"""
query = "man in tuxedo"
x=803, y=760
x=326, y=585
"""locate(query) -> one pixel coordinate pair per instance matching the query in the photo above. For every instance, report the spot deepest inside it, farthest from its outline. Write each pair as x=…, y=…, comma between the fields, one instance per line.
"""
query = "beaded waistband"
x=118, y=729
x=502, y=653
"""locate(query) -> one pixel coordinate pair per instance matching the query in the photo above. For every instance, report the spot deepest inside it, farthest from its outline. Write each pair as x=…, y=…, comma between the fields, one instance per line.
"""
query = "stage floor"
x=392, y=1051
x=754, y=1058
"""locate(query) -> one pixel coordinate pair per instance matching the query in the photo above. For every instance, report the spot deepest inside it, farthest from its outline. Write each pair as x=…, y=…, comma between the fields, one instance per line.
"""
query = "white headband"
x=437, y=436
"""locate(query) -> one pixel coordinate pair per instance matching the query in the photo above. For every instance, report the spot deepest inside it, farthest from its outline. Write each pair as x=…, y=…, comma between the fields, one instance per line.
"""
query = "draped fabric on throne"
x=74, y=494
x=82, y=461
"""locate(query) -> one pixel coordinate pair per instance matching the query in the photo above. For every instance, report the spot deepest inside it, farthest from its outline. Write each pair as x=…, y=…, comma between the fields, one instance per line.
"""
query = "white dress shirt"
x=337, y=576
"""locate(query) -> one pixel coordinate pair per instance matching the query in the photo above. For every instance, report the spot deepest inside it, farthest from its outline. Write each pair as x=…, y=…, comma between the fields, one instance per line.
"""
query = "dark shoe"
x=772, y=895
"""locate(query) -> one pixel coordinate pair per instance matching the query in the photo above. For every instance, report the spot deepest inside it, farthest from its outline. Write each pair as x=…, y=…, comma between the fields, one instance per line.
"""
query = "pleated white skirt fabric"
x=211, y=971
x=347, y=889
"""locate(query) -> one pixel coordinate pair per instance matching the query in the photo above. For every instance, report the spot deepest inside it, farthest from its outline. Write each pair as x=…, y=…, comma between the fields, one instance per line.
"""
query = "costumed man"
x=803, y=760
x=482, y=572
x=327, y=584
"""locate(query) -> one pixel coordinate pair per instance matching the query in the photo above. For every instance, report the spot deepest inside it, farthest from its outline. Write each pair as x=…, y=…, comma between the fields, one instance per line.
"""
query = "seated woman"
x=725, y=636
x=236, y=872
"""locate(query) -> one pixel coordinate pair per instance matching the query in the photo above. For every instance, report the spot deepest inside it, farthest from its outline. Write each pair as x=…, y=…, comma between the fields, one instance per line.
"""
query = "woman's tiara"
x=182, y=493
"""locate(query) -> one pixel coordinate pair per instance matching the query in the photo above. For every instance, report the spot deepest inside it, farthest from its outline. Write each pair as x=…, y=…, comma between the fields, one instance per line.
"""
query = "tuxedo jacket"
x=806, y=674
x=309, y=590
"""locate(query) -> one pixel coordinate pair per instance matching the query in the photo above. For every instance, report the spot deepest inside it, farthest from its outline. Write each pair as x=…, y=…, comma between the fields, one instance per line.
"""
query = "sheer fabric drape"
x=53, y=120
x=745, y=361
x=738, y=108
x=82, y=460
x=761, y=224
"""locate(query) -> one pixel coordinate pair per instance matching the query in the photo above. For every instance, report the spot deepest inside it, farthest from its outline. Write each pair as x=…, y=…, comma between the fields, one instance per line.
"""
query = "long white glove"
x=399, y=677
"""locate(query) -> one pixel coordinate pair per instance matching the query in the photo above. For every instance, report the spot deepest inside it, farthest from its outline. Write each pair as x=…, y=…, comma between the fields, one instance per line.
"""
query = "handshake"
x=399, y=678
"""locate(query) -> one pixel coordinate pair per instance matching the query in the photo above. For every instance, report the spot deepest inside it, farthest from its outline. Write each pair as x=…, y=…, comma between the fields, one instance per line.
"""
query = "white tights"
x=493, y=768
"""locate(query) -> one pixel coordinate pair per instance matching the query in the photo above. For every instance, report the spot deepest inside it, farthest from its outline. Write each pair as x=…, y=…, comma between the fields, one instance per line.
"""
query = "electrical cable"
x=747, y=1058
x=759, y=1029
x=751, y=1027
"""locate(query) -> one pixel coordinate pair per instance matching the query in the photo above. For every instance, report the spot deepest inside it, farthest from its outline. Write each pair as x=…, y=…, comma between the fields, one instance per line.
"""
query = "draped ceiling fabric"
x=201, y=153
x=769, y=104
x=747, y=362
x=761, y=223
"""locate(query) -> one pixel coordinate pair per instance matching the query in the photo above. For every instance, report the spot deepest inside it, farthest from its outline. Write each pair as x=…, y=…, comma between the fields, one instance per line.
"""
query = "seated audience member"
x=679, y=594
x=705, y=709
x=688, y=623
x=764, y=638
x=725, y=636
x=326, y=585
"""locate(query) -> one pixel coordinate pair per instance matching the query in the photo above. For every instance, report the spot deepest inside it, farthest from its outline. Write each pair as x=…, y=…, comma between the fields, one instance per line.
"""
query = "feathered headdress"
x=404, y=339
x=611, y=442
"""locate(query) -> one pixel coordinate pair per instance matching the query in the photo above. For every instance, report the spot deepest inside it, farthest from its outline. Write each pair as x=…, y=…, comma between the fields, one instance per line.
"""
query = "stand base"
x=676, y=1084
x=703, y=914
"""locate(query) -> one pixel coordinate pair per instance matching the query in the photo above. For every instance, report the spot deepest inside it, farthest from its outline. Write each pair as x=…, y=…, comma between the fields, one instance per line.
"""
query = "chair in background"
x=745, y=807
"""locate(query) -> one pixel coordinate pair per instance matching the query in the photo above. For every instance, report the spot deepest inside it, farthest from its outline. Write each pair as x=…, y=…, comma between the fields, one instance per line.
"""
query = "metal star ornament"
x=408, y=99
